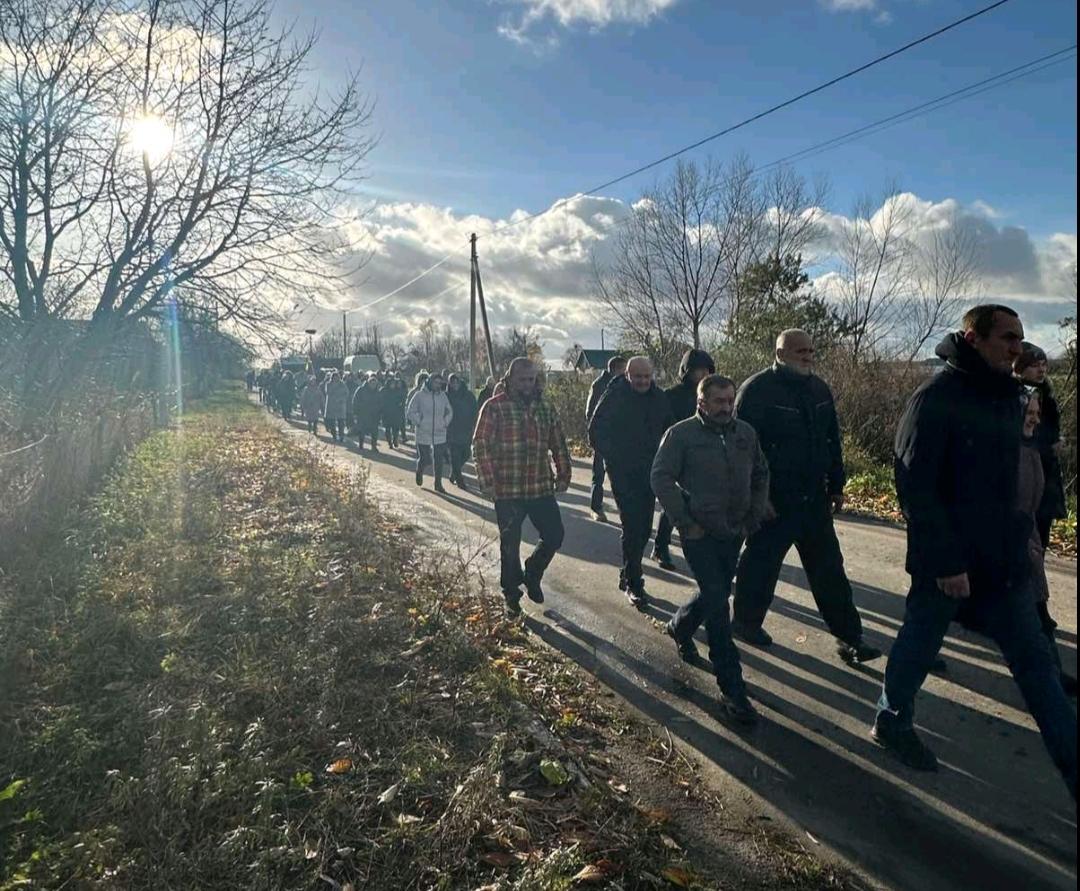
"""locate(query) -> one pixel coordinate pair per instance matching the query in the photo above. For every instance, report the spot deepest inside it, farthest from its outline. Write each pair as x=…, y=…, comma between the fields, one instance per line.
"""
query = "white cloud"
x=532, y=15
x=539, y=272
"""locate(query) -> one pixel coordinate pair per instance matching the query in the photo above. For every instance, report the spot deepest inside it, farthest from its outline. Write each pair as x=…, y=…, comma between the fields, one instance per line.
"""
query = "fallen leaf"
x=595, y=872
x=621, y=788
x=408, y=819
x=800, y=638
x=390, y=794
x=552, y=771
x=655, y=814
x=342, y=765
x=499, y=859
x=669, y=842
x=677, y=875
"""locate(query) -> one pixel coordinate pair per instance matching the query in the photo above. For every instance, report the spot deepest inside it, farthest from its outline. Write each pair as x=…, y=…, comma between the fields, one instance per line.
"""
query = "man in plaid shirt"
x=517, y=440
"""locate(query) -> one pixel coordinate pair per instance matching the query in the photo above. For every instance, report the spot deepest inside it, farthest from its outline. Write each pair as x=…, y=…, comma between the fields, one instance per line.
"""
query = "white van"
x=362, y=364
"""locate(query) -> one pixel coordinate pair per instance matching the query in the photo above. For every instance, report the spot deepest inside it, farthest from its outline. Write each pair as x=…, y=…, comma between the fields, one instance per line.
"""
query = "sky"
x=487, y=111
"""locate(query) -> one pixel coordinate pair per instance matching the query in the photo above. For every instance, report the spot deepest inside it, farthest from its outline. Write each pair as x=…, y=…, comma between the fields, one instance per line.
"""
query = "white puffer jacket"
x=430, y=413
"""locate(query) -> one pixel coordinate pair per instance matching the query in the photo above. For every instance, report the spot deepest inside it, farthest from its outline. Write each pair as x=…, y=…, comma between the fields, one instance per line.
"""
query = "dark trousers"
x=1009, y=617
x=713, y=562
x=510, y=514
x=365, y=433
x=460, y=452
x=635, y=500
x=336, y=426
x=596, y=492
x=809, y=527
x=435, y=456
x=663, y=534
x=392, y=437
x=312, y=426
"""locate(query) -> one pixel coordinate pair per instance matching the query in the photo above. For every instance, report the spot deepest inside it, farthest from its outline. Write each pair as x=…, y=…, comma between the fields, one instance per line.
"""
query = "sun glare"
x=151, y=136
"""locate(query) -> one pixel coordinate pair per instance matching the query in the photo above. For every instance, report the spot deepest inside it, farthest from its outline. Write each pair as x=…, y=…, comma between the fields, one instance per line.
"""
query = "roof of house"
x=597, y=359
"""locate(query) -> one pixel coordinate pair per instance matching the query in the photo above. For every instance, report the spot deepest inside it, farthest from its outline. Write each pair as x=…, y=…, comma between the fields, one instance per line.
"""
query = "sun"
x=149, y=135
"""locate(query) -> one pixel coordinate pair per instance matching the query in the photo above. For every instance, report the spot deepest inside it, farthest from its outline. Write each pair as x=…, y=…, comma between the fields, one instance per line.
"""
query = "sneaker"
x=756, y=636
x=513, y=604
x=687, y=650
x=856, y=654
x=902, y=742
x=638, y=597
x=738, y=708
x=599, y=516
x=662, y=556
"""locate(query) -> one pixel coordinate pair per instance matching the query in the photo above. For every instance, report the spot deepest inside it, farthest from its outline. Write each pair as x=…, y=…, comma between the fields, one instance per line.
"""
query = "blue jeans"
x=1012, y=621
x=713, y=562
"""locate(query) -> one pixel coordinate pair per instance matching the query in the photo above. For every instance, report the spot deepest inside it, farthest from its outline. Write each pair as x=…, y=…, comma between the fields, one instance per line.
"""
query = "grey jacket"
x=712, y=475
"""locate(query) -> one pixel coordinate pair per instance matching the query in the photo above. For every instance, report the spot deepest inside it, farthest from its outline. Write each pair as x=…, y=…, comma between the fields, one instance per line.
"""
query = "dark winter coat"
x=1047, y=436
x=367, y=407
x=462, y=424
x=956, y=459
x=393, y=396
x=795, y=419
x=712, y=474
x=596, y=392
x=626, y=428
x=683, y=396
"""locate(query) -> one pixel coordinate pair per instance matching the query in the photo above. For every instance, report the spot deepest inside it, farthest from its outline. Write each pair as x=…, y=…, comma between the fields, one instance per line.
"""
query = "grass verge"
x=232, y=671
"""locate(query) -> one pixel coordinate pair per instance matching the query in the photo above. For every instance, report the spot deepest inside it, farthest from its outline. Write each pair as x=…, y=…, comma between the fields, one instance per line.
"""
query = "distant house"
x=594, y=360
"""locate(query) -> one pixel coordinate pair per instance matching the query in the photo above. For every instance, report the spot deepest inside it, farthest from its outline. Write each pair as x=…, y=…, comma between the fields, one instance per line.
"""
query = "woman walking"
x=311, y=403
x=459, y=433
x=430, y=413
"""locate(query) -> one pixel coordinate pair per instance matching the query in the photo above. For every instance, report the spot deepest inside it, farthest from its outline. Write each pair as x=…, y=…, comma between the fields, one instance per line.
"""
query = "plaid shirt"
x=514, y=446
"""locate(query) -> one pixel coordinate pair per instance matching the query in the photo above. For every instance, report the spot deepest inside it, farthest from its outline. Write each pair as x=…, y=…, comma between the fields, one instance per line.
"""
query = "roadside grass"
x=233, y=671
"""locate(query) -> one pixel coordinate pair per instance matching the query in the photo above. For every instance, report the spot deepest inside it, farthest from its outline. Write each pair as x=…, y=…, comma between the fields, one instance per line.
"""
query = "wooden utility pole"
x=483, y=316
x=344, y=342
x=473, y=381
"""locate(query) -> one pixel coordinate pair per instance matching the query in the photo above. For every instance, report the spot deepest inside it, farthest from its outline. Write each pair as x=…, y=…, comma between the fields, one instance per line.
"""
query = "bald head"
x=795, y=349
x=639, y=373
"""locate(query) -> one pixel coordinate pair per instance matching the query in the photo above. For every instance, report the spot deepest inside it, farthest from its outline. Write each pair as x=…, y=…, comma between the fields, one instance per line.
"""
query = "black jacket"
x=683, y=396
x=795, y=419
x=596, y=392
x=462, y=424
x=957, y=458
x=627, y=427
x=1047, y=436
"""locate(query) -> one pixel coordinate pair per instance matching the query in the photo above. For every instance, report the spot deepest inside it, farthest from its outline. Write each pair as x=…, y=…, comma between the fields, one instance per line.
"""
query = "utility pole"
x=473, y=382
x=601, y=338
x=483, y=316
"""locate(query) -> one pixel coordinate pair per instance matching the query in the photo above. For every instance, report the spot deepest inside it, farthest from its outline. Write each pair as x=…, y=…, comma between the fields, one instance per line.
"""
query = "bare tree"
x=874, y=270
x=168, y=149
x=944, y=275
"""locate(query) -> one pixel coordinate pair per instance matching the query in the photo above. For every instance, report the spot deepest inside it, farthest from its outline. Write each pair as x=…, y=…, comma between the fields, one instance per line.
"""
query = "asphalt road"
x=996, y=815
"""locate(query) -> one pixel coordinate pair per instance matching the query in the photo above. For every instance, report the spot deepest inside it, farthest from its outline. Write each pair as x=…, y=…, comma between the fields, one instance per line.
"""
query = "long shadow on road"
x=858, y=812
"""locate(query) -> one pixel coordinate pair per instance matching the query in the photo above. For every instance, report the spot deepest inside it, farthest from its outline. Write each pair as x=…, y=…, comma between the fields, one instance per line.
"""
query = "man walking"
x=616, y=367
x=683, y=398
x=626, y=428
x=793, y=413
x=957, y=456
x=713, y=481
x=517, y=440
x=430, y=413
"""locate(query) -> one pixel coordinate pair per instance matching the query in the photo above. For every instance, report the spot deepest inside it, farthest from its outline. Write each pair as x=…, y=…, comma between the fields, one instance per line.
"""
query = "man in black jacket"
x=615, y=368
x=793, y=413
x=957, y=457
x=626, y=429
x=683, y=398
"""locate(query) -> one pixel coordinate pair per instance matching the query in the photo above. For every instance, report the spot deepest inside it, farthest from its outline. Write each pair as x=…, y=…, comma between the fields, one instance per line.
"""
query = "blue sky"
x=489, y=107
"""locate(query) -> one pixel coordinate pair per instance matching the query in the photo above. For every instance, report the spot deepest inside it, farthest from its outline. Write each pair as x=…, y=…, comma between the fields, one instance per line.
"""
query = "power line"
x=757, y=117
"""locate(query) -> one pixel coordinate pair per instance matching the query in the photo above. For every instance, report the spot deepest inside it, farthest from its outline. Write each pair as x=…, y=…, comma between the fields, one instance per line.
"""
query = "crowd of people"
x=745, y=473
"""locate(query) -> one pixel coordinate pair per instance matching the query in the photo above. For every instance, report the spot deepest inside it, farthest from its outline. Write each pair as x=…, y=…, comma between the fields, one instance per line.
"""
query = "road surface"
x=996, y=815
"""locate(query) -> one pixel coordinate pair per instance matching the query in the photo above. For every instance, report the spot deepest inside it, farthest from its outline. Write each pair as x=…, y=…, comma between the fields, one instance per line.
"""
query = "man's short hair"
x=980, y=319
x=615, y=361
x=711, y=381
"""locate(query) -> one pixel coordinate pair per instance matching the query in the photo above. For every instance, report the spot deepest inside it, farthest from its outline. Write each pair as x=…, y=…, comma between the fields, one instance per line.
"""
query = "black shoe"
x=599, y=516
x=902, y=742
x=938, y=665
x=739, y=709
x=687, y=650
x=662, y=556
x=533, y=589
x=638, y=597
x=439, y=488
x=419, y=477
x=756, y=636
x=1069, y=683
x=856, y=654
x=513, y=603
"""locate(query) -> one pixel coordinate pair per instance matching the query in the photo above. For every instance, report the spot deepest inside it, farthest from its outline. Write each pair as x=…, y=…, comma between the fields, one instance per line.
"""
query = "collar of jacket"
x=715, y=426
x=963, y=358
